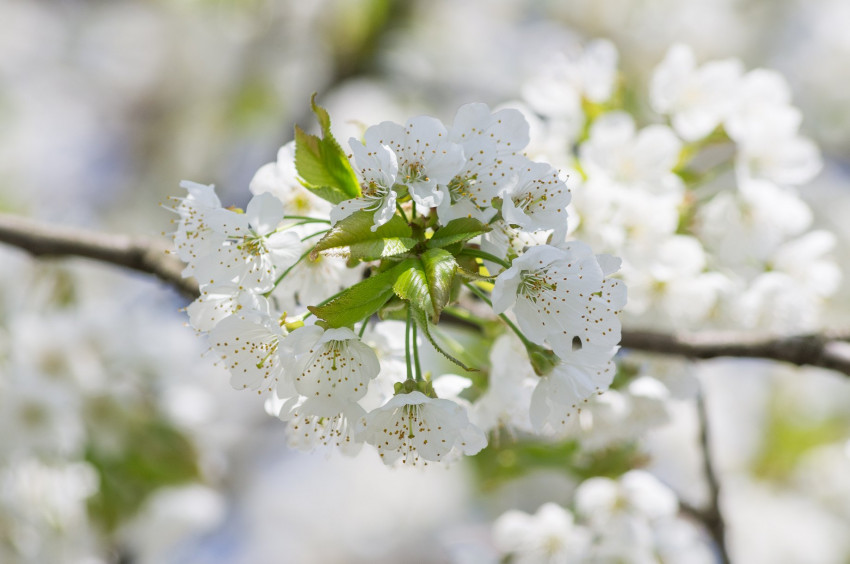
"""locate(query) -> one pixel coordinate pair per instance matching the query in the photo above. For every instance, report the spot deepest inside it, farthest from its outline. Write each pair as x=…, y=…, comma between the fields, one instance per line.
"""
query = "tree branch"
x=136, y=253
x=151, y=256
x=825, y=351
x=712, y=517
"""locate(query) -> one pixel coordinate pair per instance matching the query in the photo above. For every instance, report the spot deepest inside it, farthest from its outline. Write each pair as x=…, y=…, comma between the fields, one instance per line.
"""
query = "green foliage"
x=322, y=164
x=457, y=231
x=502, y=462
x=427, y=282
x=151, y=454
x=361, y=300
x=355, y=232
x=790, y=435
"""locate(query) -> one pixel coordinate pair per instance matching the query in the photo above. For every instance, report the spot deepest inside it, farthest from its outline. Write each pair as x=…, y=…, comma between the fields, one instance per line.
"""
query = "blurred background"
x=121, y=441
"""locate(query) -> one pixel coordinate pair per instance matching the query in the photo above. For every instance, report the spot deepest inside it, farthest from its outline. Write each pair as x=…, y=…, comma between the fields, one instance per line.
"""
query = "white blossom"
x=426, y=156
x=310, y=427
x=766, y=128
x=511, y=381
x=561, y=394
x=254, y=250
x=536, y=199
x=697, y=99
x=194, y=237
x=331, y=367
x=280, y=178
x=550, y=536
x=253, y=349
x=491, y=142
x=560, y=297
x=641, y=159
x=414, y=428
x=218, y=301
x=377, y=170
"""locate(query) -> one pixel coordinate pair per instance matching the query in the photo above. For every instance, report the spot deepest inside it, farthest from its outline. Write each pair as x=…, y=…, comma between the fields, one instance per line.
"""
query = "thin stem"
x=478, y=253
x=363, y=328
x=416, y=352
x=314, y=234
x=712, y=517
x=287, y=271
x=401, y=211
x=508, y=322
x=407, y=345
x=307, y=219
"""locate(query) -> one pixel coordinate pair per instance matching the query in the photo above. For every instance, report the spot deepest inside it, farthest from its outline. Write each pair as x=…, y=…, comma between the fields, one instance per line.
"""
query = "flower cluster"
x=702, y=205
x=420, y=222
x=631, y=519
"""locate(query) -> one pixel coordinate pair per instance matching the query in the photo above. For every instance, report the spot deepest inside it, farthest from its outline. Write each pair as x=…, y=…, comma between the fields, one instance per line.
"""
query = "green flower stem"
x=508, y=322
x=363, y=328
x=302, y=257
x=407, y=344
x=401, y=211
x=416, y=353
x=307, y=219
x=287, y=271
x=323, y=231
x=478, y=253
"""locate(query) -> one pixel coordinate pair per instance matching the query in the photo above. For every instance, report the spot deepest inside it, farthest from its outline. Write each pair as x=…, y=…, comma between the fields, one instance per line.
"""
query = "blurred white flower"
x=640, y=159
x=697, y=99
x=550, y=536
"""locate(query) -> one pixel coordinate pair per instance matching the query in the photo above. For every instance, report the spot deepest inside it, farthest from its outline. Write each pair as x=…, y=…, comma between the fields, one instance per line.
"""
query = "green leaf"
x=412, y=285
x=361, y=300
x=322, y=164
x=427, y=283
x=355, y=232
x=440, y=268
x=457, y=231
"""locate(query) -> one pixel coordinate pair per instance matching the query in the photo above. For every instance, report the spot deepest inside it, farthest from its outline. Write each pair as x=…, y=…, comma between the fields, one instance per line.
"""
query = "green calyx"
x=423, y=386
x=542, y=360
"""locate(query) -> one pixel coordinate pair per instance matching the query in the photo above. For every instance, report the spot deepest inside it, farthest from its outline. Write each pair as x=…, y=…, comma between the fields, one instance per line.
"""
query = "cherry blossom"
x=416, y=428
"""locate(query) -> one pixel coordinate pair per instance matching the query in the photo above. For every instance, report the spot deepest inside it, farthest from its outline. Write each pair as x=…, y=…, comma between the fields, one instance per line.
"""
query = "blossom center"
x=535, y=283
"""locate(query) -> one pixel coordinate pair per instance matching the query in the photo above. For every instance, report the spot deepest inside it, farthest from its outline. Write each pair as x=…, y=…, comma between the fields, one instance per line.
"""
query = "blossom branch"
x=136, y=253
x=151, y=256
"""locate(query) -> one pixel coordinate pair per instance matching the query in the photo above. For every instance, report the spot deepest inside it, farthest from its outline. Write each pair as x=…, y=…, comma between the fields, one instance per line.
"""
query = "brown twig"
x=825, y=351
x=712, y=516
x=136, y=253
